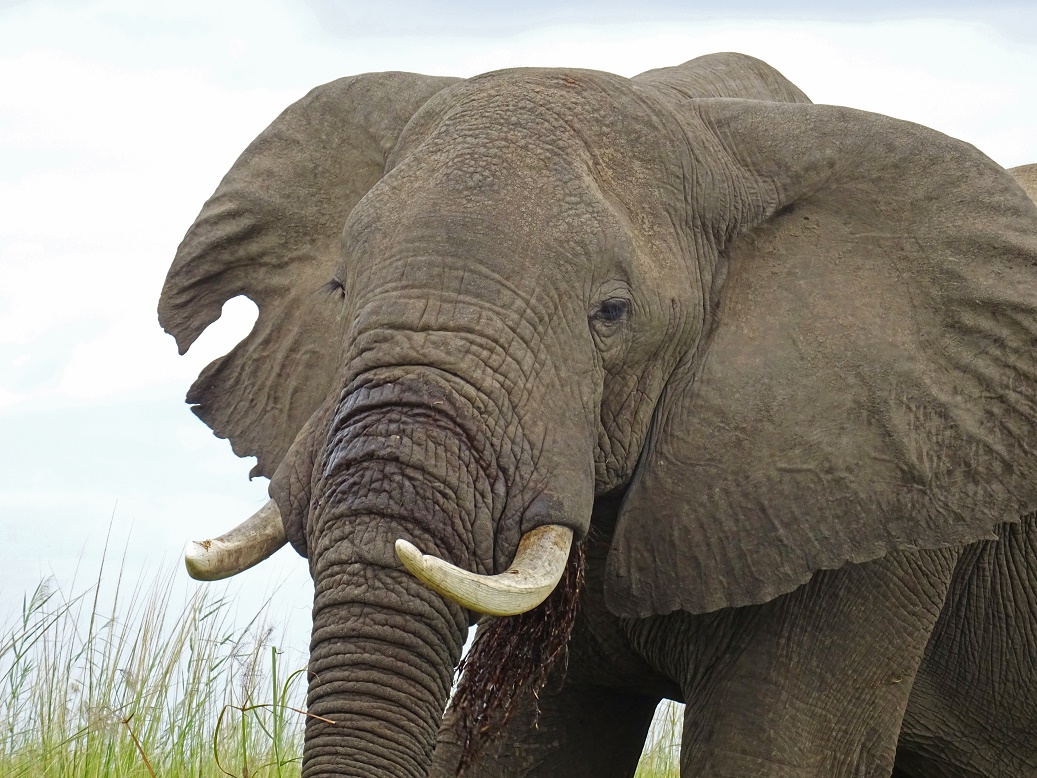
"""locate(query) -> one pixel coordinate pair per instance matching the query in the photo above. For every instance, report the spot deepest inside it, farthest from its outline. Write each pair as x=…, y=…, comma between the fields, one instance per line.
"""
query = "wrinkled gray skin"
x=780, y=356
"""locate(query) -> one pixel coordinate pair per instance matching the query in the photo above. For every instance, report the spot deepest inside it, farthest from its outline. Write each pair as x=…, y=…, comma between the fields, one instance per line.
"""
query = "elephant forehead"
x=491, y=150
x=488, y=239
x=530, y=171
x=478, y=202
x=562, y=123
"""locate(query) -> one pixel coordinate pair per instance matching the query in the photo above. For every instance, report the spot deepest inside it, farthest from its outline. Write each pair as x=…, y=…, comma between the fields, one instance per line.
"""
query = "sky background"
x=118, y=119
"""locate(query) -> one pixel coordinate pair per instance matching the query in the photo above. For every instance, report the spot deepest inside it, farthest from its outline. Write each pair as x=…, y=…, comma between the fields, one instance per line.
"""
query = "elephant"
x=681, y=386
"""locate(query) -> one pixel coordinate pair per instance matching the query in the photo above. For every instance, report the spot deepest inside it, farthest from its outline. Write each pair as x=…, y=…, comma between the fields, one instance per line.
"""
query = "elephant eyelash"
x=612, y=310
x=333, y=287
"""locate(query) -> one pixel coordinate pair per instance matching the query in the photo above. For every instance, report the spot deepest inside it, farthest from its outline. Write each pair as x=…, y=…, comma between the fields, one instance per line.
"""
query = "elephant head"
x=786, y=335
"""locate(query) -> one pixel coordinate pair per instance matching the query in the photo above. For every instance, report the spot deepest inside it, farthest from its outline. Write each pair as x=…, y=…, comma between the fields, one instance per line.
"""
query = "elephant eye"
x=612, y=310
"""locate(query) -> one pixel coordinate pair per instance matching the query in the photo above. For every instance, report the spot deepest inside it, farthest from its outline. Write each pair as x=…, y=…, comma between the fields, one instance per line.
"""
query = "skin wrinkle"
x=372, y=696
x=616, y=469
x=462, y=532
x=345, y=669
x=467, y=457
x=626, y=413
x=483, y=403
x=453, y=535
x=331, y=758
x=676, y=325
x=534, y=126
x=353, y=613
x=511, y=358
x=399, y=477
x=374, y=757
x=500, y=484
x=749, y=204
x=372, y=730
x=351, y=632
x=437, y=418
x=690, y=225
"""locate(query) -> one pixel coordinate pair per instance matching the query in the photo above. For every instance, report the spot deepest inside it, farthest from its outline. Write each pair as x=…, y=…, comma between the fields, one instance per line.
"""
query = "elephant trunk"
x=381, y=665
x=384, y=646
x=406, y=456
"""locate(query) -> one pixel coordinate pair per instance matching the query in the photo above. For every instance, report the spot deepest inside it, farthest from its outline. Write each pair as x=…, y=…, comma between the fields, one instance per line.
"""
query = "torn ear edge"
x=869, y=383
x=272, y=231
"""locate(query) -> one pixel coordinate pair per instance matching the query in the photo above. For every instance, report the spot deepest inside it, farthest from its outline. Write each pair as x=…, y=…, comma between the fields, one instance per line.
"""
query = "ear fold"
x=272, y=232
x=870, y=379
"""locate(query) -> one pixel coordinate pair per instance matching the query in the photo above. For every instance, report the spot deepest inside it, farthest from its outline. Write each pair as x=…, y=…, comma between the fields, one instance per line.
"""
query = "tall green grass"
x=129, y=683
x=122, y=681
x=661, y=756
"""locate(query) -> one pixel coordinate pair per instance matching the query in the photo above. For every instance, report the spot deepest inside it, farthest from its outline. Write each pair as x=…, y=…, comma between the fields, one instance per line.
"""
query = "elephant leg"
x=580, y=733
x=973, y=709
x=813, y=683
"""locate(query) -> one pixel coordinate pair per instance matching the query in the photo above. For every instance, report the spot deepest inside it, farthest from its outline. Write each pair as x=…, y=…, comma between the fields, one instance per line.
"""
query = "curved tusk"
x=536, y=570
x=243, y=547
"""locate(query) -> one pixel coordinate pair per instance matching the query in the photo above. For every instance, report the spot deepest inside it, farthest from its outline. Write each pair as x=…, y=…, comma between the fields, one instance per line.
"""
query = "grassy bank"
x=121, y=681
x=124, y=682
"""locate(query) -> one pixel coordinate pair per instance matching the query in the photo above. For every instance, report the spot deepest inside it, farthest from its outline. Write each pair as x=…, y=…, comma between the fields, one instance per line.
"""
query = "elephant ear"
x=272, y=232
x=868, y=382
x=1026, y=175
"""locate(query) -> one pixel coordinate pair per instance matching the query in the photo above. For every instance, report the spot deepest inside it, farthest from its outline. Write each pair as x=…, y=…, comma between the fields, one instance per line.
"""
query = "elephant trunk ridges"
x=408, y=457
x=381, y=673
x=400, y=460
x=513, y=656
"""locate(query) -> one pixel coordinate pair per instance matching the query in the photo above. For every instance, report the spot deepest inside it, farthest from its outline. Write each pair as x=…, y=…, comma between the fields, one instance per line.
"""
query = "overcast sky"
x=118, y=119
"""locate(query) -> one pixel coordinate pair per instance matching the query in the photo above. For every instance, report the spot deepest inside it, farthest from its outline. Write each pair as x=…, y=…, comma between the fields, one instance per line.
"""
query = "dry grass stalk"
x=512, y=658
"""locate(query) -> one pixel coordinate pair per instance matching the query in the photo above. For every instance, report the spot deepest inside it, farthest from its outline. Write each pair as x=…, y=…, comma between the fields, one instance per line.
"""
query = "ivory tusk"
x=538, y=566
x=243, y=547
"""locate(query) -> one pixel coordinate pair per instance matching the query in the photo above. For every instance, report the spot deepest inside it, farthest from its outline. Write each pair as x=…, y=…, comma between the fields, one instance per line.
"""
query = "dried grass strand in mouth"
x=512, y=657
